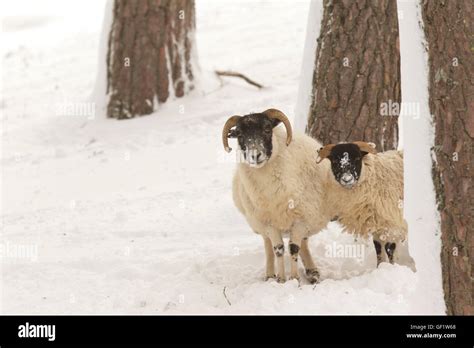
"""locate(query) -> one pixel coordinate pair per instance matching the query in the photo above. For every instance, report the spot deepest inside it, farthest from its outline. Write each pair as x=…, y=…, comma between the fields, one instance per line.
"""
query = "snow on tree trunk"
x=449, y=28
x=99, y=95
x=356, y=83
x=150, y=52
x=305, y=88
x=419, y=202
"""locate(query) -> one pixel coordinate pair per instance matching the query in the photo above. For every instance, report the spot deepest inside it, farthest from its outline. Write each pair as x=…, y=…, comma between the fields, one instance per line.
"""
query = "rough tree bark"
x=449, y=30
x=357, y=70
x=149, y=54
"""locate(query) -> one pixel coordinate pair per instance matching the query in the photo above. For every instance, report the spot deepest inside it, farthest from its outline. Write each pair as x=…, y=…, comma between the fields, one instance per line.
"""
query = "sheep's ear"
x=324, y=152
x=365, y=148
x=232, y=133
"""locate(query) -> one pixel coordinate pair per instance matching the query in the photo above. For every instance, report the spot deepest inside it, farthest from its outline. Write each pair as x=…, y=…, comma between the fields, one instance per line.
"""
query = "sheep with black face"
x=275, y=187
x=346, y=161
x=367, y=196
x=254, y=134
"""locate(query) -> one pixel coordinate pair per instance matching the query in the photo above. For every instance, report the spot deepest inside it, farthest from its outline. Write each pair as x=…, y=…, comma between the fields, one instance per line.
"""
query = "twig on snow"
x=223, y=291
x=242, y=76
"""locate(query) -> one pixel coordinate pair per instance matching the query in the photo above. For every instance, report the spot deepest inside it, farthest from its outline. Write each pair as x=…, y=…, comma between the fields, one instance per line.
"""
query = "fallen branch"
x=242, y=76
x=223, y=291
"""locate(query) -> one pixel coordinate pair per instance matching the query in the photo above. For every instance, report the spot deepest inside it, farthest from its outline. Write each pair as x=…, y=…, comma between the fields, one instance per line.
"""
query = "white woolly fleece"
x=289, y=188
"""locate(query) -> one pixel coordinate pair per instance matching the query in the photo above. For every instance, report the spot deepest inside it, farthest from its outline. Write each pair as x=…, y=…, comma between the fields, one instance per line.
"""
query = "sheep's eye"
x=268, y=129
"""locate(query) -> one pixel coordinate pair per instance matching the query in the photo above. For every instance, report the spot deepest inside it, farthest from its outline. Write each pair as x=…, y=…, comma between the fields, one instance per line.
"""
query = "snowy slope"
x=136, y=216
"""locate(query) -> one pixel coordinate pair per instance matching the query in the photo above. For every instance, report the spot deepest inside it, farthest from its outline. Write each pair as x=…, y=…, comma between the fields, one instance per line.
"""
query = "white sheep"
x=367, y=196
x=276, y=188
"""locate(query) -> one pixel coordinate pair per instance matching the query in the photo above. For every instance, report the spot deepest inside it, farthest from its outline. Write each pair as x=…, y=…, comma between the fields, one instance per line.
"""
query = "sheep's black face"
x=346, y=163
x=254, y=135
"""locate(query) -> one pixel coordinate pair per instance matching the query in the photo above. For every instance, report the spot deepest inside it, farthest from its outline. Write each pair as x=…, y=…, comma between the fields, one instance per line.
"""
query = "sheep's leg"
x=295, y=246
x=270, y=259
x=279, y=250
x=390, y=250
x=298, y=238
x=311, y=270
x=380, y=250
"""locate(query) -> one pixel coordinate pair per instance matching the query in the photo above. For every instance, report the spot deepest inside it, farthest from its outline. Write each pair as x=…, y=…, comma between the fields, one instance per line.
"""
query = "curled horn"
x=324, y=152
x=231, y=122
x=277, y=114
x=367, y=147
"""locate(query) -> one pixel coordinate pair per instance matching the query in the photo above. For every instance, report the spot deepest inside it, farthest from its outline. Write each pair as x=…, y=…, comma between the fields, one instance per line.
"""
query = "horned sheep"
x=276, y=187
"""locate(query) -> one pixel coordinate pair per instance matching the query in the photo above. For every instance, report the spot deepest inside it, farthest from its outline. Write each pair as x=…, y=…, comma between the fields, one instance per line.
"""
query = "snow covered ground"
x=136, y=216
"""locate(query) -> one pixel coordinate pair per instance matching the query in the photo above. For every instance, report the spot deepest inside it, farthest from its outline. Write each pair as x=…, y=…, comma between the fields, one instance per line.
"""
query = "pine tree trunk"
x=149, y=54
x=357, y=76
x=449, y=30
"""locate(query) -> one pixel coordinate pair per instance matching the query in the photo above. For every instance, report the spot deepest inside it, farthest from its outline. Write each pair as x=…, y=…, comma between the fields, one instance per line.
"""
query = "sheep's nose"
x=347, y=178
x=255, y=156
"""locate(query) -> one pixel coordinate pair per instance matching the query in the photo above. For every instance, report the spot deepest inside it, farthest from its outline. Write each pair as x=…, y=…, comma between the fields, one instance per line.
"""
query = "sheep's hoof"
x=269, y=276
x=313, y=275
x=297, y=277
x=280, y=279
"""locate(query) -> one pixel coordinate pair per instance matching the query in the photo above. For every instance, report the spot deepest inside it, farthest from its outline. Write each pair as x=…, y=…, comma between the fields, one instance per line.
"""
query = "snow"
x=136, y=216
x=313, y=28
x=99, y=95
x=420, y=208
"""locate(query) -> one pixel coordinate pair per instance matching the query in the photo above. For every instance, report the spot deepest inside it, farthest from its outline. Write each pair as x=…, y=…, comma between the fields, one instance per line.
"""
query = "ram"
x=367, y=196
x=276, y=187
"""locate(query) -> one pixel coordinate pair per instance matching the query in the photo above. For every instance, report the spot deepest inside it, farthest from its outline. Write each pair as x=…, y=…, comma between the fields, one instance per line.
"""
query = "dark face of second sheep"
x=254, y=134
x=346, y=161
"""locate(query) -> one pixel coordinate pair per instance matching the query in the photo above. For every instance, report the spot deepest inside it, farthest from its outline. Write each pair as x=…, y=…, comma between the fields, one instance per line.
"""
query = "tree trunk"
x=149, y=55
x=356, y=81
x=449, y=29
